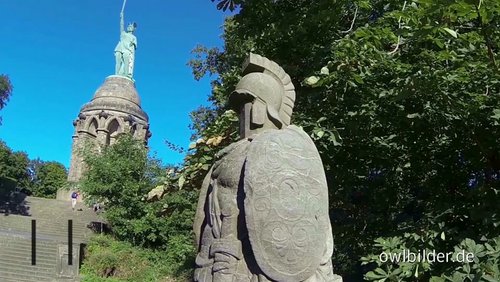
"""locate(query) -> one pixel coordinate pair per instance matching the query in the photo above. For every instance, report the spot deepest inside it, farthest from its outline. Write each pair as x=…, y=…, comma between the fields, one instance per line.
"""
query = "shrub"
x=123, y=176
x=108, y=259
x=483, y=267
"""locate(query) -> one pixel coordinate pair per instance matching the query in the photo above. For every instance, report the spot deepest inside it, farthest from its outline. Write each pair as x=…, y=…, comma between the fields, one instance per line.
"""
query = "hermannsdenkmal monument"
x=114, y=109
x=263, y=209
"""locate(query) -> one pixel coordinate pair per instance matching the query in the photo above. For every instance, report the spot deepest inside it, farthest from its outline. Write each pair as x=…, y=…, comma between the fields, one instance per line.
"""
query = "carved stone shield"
x=286, y=204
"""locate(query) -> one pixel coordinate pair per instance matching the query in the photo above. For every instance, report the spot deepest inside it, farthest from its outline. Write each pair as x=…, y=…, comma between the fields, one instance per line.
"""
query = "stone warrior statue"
x=125, y=49
x=263, y=209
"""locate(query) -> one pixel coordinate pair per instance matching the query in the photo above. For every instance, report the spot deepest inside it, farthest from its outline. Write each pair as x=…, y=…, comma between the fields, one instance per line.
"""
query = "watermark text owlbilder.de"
x=426, y=256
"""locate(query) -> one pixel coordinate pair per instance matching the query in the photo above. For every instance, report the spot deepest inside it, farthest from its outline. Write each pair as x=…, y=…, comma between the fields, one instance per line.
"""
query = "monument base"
x=121, y=76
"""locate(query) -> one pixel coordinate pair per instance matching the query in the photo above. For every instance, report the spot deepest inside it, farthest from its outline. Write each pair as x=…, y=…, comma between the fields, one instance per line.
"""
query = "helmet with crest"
x=267, y=84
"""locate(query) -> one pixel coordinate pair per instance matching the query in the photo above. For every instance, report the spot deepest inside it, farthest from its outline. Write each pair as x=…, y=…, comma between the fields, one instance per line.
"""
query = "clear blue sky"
x=58, y=52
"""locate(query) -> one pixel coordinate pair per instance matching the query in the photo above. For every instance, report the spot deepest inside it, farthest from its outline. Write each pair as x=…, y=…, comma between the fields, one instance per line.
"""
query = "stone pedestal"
x=64, y=269
x=114, y=109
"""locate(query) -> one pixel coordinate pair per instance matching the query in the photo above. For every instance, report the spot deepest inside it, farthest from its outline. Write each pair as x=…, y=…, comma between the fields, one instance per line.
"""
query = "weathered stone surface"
x=119, y=94
x=114, y=109
x=63, y=269
x=263, y=208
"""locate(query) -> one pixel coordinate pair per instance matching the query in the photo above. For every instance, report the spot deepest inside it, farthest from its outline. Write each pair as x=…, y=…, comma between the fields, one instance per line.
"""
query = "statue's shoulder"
x=286, y=204
x=237, y=146
x=287, y=138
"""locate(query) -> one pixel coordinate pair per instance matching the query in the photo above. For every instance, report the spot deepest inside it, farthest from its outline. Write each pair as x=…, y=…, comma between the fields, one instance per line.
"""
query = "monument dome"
x=118, y=94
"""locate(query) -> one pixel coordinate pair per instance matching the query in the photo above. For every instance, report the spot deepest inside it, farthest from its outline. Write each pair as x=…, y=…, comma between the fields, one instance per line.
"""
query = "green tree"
x=143, y=203
x=5, y=91
x=13, y=167
x=33, y=169
x=120, y=177
x=35, y=177
x=402, y=100
x=48, y=177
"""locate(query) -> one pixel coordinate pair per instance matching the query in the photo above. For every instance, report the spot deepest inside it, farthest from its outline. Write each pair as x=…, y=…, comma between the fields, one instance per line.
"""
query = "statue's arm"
x=200, y=210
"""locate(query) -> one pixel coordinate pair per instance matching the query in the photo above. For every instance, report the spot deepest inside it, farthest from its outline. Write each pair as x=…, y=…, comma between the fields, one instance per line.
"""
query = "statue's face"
x=254, y=117
x=245, y=119
x=130, y=28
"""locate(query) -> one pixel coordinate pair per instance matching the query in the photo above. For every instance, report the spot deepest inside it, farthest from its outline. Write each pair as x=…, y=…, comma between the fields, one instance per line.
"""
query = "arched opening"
x=133, y=130
x=114, y=129
x=93, y=127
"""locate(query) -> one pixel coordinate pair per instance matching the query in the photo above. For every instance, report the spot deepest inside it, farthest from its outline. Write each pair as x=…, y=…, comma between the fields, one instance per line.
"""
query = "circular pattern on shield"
x=262, y=207
x=259, y=185
x=273, y=156
x=289, y=199
x=291, y=249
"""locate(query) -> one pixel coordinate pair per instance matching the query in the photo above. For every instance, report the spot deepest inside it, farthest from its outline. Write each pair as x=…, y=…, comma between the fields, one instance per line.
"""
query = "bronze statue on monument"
x=125, y=49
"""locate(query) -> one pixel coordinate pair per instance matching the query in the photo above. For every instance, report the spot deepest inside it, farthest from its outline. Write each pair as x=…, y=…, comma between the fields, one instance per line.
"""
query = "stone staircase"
x=51, y=239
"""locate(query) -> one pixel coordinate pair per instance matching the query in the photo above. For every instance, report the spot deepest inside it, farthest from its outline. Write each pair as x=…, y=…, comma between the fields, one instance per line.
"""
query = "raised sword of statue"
x=122, y=20
x=123, y=6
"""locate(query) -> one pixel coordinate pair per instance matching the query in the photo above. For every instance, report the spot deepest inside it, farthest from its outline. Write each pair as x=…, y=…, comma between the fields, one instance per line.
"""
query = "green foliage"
x=47, y=178
x=402, y=100
x=5, y=91
x=484, y=267
x=484, y=264
x=220, y=133
x=122, y=176
x=12, y=164
x=110, y=260
x=227, y=4
x=13, y=169
x=36, y=177
x=413, y=104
